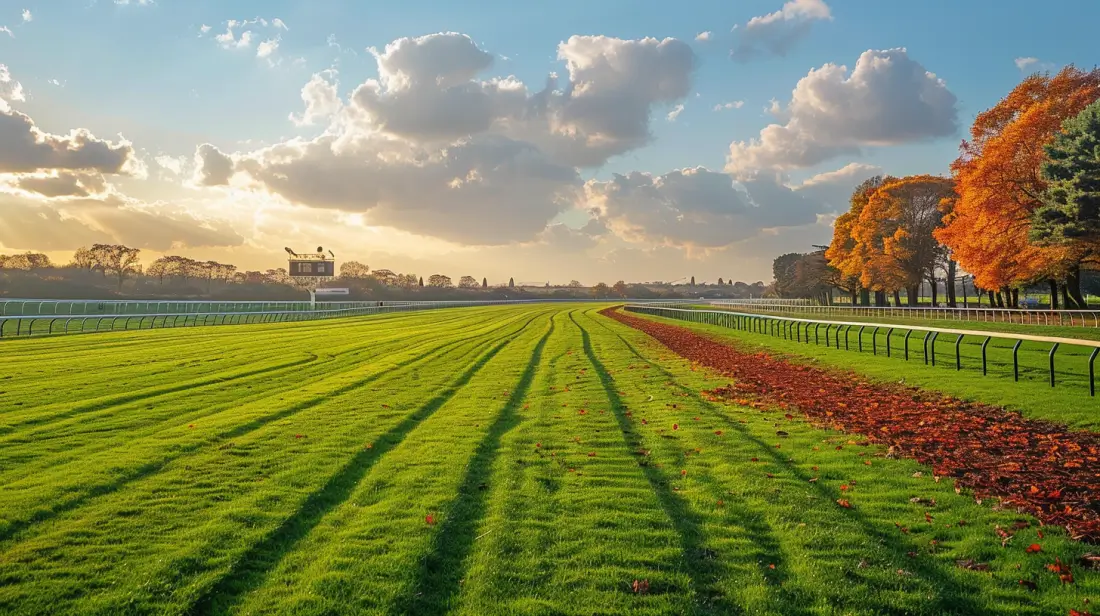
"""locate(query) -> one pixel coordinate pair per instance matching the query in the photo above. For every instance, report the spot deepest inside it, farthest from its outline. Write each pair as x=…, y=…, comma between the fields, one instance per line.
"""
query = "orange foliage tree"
x=841, y=253
x=893, y=236
x=999, y=183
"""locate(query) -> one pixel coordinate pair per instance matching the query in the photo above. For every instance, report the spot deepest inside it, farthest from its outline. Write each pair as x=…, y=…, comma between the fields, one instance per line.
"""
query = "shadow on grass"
x=951, y=596
x=698, y=560
x=253, y=566
x=441, y=571
x=150, y=468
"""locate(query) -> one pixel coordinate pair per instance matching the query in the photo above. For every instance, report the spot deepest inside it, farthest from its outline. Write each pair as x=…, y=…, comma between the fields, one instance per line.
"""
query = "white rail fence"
x=1022, y=316
x=800, y=330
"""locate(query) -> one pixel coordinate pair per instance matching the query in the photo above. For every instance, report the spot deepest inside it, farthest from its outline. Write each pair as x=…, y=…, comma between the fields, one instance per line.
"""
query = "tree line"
x=1020, y=210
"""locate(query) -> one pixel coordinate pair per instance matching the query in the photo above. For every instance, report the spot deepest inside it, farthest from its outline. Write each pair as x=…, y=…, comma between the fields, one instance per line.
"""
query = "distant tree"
x=693, y=281
x=408, y=281
x=574, y=284
x=385, y=276
x=117, y=260
x=601, y=291
x=467, y=282
x=511, y=283
x=440, y=281
x=421, y=282
x=720, y=282
x=27, y=261
x=83, y=259
x=619, y=288
x=484, y=283
x=354, y=269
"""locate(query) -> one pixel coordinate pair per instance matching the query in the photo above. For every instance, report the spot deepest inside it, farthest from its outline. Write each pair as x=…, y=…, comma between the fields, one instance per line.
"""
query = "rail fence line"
x=1021, y=316
x=798, y=329
x=120, y=315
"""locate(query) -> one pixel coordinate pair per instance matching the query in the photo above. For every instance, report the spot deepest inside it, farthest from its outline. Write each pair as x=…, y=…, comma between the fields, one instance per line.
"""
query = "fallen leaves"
x=1035, y=467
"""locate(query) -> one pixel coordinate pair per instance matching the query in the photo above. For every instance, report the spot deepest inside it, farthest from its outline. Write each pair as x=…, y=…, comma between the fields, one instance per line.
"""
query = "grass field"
x=508, y=460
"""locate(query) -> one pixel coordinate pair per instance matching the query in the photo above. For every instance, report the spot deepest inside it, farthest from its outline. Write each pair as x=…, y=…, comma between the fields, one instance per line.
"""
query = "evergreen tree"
x=484, y=283
x=422, y=282
x=511, y=283
x=1071, y=211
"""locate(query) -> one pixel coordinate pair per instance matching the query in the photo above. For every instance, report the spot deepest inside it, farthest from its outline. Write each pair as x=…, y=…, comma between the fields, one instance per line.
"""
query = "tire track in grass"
x=750, y=526
x=951, y=596
x=252, y=568
x=704, y=571
x=440, y=573
x=79, y=496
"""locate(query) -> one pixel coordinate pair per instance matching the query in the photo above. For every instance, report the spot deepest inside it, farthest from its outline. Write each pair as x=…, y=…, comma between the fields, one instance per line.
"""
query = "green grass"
x=269, y=469
x=1068, y=402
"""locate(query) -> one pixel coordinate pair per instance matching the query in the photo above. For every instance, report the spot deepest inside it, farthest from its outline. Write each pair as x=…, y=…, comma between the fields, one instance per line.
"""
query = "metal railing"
x=34, y=317
x=799, y=329
x=1019, y=316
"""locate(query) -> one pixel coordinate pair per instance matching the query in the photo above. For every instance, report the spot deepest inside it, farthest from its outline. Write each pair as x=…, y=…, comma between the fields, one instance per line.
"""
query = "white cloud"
x=203, y=29
x=171, y=163
x=26, y=148
x=887, y=99
x=54, y=82
x=729, y=105
x=7, y=30
x=675, y=113
x=322, y=100
x=10, y=89
x=1032, y=64
x=27, y=15
x=266, y=48
x=703, y=36
x=135, y=2
x=212, y=166
x=278, y=23
x=777, y=33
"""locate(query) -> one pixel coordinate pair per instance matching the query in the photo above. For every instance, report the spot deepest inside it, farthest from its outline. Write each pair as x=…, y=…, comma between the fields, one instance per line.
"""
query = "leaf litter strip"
x=1034, y=466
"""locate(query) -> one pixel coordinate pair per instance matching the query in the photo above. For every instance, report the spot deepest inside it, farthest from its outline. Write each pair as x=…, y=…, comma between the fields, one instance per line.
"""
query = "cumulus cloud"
x=59, y=184
x=268, y=47
x=675, y=113
x=27, y=16
x=70, y=223
x=322, y=100
x=10, y=89
x=777, y=33
x=212, y=166
x=482, y=190
x=428, y=91
x=25, y=148
x=703, y=36
x=171, y=163
x=1032, y=64
x=7, y=30
x=887, y=99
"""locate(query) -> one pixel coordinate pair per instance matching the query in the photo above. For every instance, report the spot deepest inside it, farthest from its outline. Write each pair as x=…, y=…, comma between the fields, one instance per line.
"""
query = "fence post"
x=860, y=336
x=985, y=344
x=1053, y=350
x=889, y=333
x=1092, y=371
x=958, y=355
x=1016, y=360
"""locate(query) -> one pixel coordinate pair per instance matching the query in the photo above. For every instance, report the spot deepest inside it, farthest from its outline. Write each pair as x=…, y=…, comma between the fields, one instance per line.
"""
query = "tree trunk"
x=897, y=298
x=1000, y=299
x=855, y=298
x=864, y=297
x=1053, y=294
x=935, y=291
x=992, y=298
x=880, y=298
x=952, y=301
x=1066, y=302
x=1073, y=284
x=1015, y=298
x=911, y=296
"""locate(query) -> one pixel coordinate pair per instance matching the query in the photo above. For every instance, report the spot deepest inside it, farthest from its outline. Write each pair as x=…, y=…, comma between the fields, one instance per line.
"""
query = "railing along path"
x=1022, y=316
x=794, y=328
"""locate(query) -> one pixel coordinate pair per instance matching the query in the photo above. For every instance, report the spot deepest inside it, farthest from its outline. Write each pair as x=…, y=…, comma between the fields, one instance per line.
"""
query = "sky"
x=542, y=141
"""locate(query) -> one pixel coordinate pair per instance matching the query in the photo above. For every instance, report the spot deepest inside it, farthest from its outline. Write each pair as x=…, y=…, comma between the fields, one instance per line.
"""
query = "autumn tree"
x=841, y=253
x=1000, y=185
x=467, y=282
x=893, y=236
x=619, y=288
x=601, y=291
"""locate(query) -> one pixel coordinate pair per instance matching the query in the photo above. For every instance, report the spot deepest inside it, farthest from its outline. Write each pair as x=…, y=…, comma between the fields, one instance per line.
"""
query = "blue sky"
x=146, y=71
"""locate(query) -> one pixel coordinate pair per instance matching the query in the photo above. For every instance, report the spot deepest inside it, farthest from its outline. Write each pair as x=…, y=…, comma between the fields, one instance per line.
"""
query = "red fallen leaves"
x=1073, y=612
x=299, y=436
x=1034, y=548
x=190, y=425
x=675, y=426
x=1033, y=466
x=843, y=502
x=1063, y=571
x=640, y=587
x=429, y=519
x=718, y=432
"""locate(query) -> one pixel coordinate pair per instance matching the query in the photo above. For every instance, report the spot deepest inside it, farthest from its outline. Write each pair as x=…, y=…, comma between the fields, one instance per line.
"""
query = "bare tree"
x=116, y=259
x=354, y=269
x=467, y=282
x=439, y=280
